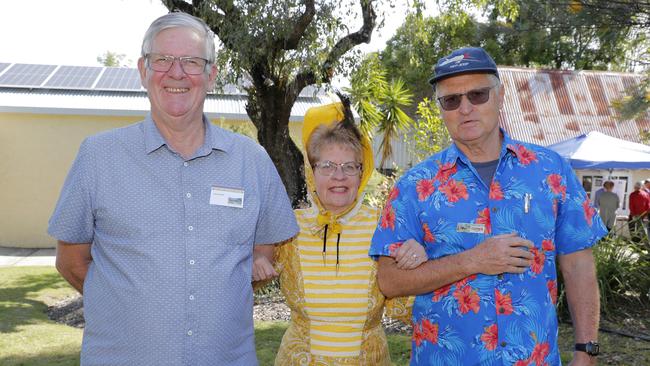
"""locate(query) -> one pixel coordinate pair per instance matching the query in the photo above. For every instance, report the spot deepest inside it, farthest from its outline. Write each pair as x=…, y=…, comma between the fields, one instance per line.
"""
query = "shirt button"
x=190, y=228
x=186, y=163
x=494, y=209
x=191, y=297
x=189, y=333
x=503, y=344
x=502, y=310
x=500, y=276
x=188, y=195
x=192, y=261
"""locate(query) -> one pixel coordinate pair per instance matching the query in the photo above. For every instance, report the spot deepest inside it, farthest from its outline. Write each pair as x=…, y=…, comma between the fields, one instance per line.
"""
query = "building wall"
x=36, y=152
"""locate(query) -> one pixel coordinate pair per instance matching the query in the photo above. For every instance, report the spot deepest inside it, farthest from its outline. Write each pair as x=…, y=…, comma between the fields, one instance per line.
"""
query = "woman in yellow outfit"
x=326, y=276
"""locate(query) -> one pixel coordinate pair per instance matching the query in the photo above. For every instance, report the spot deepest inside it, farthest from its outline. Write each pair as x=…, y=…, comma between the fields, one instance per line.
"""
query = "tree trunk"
x=270, y=114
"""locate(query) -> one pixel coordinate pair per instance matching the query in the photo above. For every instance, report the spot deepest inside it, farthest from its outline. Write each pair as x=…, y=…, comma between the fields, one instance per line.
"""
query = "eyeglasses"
x=329, y=168
x=163, y=63
x=476, y=96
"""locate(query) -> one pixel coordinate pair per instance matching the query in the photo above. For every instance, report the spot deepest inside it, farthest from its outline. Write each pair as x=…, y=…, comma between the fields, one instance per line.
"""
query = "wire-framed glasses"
x=328, y=167
x=163, y=63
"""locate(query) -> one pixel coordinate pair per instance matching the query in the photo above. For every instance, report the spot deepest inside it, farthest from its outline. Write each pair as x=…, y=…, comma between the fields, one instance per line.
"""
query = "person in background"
x=157, y=221
x=608, y=203
x=597, y=195
x=639, y=207
x=326, y=276
x=494, y=215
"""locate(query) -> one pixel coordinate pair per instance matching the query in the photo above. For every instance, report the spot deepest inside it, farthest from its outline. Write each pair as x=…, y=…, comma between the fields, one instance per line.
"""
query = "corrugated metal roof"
x=123, y=103
x=549, y=106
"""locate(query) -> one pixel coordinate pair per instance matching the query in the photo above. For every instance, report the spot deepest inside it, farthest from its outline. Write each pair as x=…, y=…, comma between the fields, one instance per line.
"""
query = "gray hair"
x=334, y=134
x=638, y=184
x=180, y=20
x=495, y=81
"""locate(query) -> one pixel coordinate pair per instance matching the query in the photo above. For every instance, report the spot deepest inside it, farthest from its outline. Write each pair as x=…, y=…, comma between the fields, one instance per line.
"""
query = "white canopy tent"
x=595, y=150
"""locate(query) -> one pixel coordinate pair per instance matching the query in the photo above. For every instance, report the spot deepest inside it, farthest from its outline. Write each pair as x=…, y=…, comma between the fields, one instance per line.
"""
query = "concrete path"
x=26, y=257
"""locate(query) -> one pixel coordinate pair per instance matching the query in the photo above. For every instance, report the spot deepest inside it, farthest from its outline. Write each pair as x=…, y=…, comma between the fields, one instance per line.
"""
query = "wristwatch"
x=591, y=348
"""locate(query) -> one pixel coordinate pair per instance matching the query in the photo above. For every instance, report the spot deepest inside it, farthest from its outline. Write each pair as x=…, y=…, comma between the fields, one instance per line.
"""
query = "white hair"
x=180, y=20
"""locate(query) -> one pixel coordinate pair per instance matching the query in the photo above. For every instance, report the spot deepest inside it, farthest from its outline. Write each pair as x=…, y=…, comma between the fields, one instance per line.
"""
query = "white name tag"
x=229, y=197
x=462, y=227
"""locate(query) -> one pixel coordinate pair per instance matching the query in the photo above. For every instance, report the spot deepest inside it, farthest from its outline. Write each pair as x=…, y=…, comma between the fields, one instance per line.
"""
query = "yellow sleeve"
x=399, y=308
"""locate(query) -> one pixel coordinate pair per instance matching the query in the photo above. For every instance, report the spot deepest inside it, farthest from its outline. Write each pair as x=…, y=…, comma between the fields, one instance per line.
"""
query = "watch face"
x=592, y=348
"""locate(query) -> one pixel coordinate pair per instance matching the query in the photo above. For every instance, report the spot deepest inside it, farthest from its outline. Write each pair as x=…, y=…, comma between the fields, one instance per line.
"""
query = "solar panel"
x=74, y=77
x=3, y=66
x=119, y=78
x=26, y=75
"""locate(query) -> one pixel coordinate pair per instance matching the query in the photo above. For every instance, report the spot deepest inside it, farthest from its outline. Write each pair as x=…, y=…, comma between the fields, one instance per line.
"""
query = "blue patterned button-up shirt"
x=170, y=280
x=507, y=319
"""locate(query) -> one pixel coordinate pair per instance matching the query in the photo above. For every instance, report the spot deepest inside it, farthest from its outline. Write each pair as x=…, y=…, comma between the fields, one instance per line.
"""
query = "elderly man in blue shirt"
x=494, y=215
x=157, y=221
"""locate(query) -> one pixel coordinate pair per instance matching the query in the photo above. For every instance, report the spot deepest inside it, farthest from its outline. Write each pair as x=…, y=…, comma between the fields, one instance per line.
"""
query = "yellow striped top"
x=335, y=313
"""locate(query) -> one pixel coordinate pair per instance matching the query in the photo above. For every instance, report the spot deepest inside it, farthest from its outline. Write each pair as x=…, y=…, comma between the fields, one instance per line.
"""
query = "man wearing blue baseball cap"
x=494, y=215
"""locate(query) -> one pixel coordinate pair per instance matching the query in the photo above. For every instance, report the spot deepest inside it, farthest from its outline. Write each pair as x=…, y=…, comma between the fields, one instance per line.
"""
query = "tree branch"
x=290, y=42
x=363, y=35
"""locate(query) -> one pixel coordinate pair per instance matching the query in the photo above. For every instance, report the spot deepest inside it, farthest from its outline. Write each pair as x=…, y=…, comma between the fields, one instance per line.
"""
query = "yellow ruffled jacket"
x=336, y=305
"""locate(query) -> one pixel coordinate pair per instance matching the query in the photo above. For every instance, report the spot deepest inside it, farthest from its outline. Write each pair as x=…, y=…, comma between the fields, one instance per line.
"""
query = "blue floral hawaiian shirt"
x=506, y=319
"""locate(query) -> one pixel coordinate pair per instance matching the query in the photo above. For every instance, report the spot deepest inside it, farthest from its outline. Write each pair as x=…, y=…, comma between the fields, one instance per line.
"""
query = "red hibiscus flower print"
x=392, y=195
x=547, y=245
x=503, y=303
x=425, y=188
x=495, y=191
x=522, y=363
x=524, y=155
x=392, y=249
x=454, y=190
x=418, y=334
x=467, y=299
x=555, y=182
x=444, y=172
x=551, y=285
x=484, y=218
x=589, y=211
x=490, y=337
x=440, y=292
x=538, y=261
x=388, y=217
x=430, y=331
x=428, y=237
x=539, y=354
x=465, y=281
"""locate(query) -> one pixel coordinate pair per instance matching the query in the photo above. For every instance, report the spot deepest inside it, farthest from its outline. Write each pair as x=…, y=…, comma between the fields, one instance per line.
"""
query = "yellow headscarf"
x=327, y=115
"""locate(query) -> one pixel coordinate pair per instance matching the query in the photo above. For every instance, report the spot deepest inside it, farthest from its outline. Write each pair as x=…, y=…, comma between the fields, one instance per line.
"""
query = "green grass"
x=28, y=337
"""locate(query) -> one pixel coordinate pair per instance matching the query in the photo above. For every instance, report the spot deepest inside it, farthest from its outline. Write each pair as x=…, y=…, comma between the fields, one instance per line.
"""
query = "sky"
x=76, y=32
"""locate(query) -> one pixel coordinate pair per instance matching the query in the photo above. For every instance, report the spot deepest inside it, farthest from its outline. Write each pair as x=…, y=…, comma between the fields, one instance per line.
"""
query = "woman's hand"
x=410, y=255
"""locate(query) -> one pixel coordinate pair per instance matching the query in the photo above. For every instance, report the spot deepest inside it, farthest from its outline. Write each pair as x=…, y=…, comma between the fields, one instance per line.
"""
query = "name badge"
x=462, y=227
x=229, y=197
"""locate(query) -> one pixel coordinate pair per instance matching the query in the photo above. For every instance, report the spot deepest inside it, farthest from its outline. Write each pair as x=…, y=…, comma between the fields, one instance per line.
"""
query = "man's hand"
x=410, y=255
x=507, y=253
x=263, y=269
x=582, y=359
x=72, y=262
x=263, y=262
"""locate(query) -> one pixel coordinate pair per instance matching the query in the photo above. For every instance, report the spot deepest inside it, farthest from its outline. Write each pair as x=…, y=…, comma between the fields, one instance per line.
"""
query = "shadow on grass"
x=49, y=359
x=17, y=304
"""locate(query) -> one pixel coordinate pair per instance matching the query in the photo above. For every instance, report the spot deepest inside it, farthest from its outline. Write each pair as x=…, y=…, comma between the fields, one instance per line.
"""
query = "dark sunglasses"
x=476, y=96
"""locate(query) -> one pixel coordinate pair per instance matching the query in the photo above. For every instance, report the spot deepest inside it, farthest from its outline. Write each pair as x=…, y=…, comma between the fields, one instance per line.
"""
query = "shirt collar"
x=453, y=153
x=215, y=138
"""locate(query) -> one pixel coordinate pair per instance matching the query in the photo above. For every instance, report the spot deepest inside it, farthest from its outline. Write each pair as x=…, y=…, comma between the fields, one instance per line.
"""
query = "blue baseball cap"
x=465, y=60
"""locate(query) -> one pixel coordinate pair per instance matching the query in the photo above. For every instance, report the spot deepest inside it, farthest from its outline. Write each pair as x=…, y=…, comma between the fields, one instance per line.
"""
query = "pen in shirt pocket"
x=527, y=198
